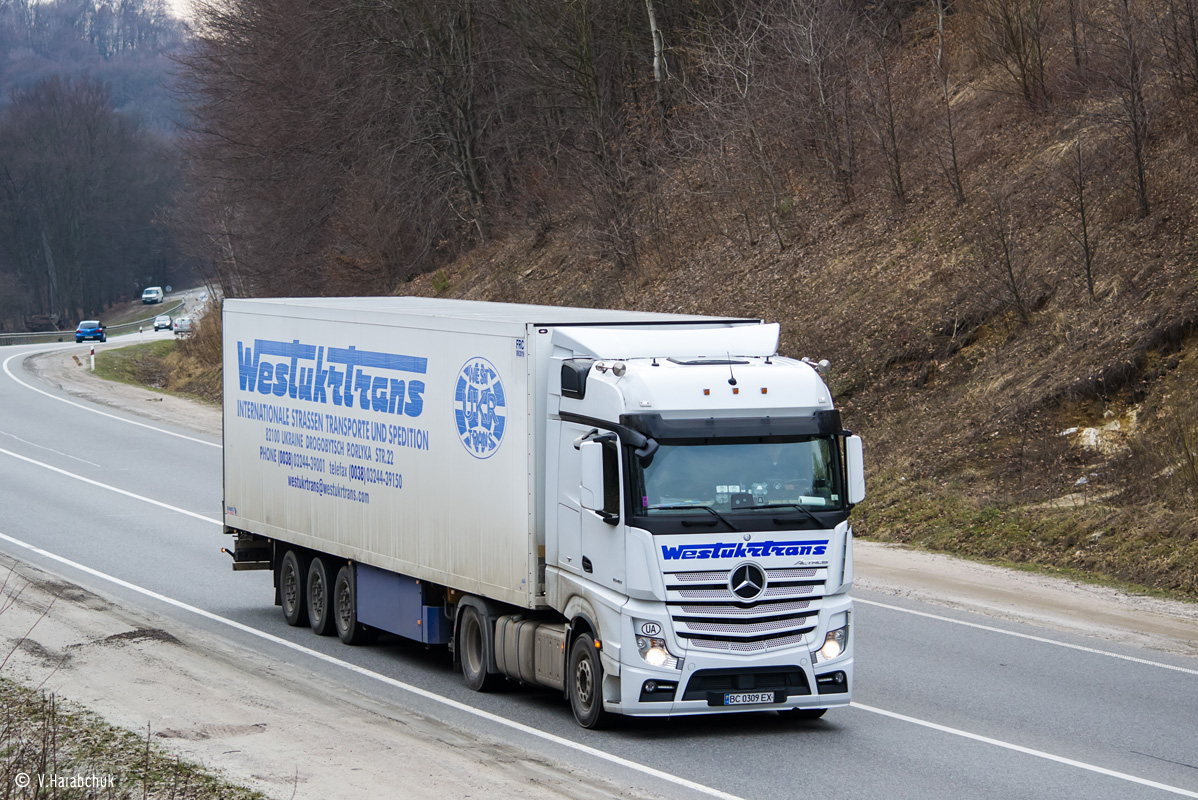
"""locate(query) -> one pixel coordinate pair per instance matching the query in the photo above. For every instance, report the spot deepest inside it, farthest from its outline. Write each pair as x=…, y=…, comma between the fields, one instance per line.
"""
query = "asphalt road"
x=942, y=709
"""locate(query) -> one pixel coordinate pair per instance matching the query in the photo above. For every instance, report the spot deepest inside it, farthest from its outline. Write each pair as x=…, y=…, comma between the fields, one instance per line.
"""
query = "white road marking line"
x=50, y=449
x=1029, y=637
x=1069, y=762
x=591, y=751
x=407, y=687
x=97, y=484
x=95, y=410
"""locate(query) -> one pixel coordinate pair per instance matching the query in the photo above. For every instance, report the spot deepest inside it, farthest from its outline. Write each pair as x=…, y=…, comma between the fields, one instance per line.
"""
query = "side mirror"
x=855, y=461
x=590, y=494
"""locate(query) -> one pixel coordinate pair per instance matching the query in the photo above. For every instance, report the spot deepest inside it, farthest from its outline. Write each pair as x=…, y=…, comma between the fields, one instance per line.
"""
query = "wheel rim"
x=290, y=588
x=345, y=611
x=584, y=683
x=316, y=593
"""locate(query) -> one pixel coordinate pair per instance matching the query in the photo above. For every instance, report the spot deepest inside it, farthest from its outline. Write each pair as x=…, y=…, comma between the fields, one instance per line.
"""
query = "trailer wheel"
x=293, y=573
x=802, y=714
x=585, y=676
x=472, y=651
x=345, y=610
x=320, y=597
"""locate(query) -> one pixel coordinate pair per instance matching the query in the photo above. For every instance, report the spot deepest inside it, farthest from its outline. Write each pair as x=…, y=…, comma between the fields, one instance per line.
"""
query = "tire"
x=472, y=651
x=802, y=714
x=319, y=593
x=293, y=596
x=103, y=338
x=585, y=677
x=345, y=610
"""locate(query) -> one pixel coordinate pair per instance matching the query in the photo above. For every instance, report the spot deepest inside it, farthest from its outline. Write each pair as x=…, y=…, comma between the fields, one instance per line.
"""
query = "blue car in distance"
x=90, y=329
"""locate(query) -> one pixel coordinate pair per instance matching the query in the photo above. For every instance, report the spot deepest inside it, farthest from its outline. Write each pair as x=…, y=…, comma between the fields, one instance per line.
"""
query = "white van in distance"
x=152, y=294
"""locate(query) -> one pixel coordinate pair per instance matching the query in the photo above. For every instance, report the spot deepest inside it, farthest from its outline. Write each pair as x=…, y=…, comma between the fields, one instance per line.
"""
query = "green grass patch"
x=49, y=749
x=139, y=364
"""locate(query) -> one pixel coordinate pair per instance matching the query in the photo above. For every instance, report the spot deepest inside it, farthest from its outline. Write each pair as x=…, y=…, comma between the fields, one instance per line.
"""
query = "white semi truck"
x=646, y=512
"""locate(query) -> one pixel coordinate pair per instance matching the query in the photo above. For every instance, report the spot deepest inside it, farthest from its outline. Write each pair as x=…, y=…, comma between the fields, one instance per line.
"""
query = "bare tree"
x=1179, y=39
x=1126, y=72
x=882, y=108
x=1079, y=206
x=1012, y=34
x=822, y=38
x=946, y=151
x=1004, y=262
x=737, y=111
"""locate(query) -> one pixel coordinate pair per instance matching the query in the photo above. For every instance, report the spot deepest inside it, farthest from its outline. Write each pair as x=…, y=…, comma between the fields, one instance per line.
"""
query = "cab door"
x=594, y=457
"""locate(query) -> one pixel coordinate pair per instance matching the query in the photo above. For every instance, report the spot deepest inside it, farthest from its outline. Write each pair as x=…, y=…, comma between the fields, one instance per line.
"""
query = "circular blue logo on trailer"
x=480, y=408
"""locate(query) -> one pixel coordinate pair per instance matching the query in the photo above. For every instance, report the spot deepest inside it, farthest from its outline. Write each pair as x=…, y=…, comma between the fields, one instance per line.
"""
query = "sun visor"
x=678, y=341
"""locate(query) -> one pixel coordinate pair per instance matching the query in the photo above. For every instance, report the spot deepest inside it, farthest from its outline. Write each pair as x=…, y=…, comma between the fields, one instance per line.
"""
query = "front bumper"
x=790, y=677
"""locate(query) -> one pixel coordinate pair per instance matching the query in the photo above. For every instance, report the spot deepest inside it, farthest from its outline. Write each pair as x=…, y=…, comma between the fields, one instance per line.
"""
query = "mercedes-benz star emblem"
x=747, y=582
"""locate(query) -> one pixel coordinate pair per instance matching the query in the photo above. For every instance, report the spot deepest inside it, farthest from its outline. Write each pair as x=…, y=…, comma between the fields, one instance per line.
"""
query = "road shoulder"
x=253, y=719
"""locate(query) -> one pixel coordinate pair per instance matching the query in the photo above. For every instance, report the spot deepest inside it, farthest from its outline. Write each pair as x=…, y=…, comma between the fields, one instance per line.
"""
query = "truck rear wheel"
x=320, y=597
x=585, y=676
x=472, y=651
x=345, y=610
x=293, y=575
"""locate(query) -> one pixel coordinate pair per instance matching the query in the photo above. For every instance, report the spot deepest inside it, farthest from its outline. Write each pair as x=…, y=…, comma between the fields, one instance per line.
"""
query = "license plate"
x=749, y=698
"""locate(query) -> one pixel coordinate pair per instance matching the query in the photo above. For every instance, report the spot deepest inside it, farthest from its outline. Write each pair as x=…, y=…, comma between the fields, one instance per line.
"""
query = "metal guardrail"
x=49, y=337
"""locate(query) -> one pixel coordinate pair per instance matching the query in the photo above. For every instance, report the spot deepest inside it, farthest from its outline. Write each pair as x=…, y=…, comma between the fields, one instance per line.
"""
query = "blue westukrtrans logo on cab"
x=480, y=408
x=808, y=547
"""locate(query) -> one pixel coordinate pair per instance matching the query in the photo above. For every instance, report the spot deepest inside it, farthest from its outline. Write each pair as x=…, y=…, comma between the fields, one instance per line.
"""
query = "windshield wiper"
x=708, y=509
x=796, y=506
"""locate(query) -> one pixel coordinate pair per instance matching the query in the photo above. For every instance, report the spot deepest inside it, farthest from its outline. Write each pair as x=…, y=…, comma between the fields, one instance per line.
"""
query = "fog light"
x=650, y=686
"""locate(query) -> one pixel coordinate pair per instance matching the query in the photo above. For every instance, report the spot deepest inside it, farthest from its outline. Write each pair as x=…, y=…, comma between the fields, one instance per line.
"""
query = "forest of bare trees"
x=88, y=168
x=345, y=147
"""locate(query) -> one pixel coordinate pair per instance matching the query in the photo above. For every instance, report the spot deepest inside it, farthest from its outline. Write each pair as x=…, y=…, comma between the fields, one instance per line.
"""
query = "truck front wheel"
x=586, y=683
x=472, y=651
x=293, y=575
x=320, y=597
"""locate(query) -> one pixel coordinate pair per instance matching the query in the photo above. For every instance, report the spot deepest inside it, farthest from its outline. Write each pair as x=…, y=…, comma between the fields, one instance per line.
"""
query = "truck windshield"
x=796, y=475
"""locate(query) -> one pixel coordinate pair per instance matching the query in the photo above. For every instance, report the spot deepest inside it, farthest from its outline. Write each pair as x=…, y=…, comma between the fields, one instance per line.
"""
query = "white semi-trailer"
x=646, y=512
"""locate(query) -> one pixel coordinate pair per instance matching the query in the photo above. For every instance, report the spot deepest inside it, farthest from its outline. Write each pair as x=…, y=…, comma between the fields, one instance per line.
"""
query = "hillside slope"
x=1058, y=428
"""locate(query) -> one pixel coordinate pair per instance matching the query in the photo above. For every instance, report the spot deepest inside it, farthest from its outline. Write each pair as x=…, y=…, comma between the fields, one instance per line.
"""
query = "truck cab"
x=700, y=523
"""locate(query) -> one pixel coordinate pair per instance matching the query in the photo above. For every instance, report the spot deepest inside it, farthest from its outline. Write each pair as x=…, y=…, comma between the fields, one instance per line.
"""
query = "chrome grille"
x=743, y=628
x=730, y=610
x=746, y=647
x=724, y=593
x=785, y=612
x=721, y=576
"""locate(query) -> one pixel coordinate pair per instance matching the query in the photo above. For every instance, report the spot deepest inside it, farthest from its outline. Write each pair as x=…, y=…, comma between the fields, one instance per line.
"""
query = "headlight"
x=655, y=653
x=834, y=644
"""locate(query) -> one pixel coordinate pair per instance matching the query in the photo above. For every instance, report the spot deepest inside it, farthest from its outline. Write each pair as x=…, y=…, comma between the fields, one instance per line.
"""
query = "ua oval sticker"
x=480, y=408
